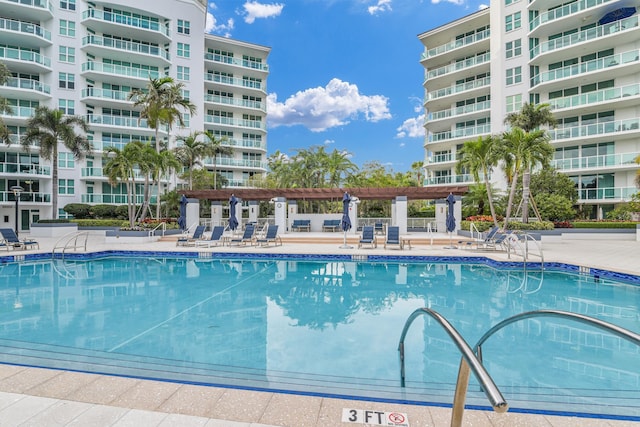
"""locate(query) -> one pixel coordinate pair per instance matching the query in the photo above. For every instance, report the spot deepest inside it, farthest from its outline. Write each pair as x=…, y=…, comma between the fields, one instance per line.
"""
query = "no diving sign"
x=376, y=418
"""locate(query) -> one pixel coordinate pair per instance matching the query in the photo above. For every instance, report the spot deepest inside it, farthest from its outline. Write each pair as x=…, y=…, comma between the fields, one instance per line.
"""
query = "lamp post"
x=16, y=192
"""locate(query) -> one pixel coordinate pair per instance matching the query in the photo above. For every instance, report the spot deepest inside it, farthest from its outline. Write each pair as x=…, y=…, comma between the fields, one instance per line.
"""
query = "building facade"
x=581, y=57
x=85, y=57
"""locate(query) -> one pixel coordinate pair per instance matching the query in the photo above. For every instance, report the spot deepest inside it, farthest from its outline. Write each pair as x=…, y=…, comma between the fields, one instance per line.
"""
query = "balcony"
x=241, y=123
x=623, y=96
x=37, y=10
x=223, y=59
x=459, y=66
x=126, y=26
x=440, y=159
x=444, y=97
x=235, y=102
x=579, y=9
x=451, y=179
x=106, y=96
x=8, y=196
x=237, y=163
x=457, y=45
x=621, y=161
x=93, y=173
x=465, y=132
x=107, y=122
x=245, y=143
x=235, y=81
x=114, y=199
x=607, y=194
x=628, y=128
x=28, y=169
x=118, y=74
x=25, y=34
x=123, y=50
x=26, y=89
x=590, y=35
x=19, y=113
x=21, y=60
x=459, y=111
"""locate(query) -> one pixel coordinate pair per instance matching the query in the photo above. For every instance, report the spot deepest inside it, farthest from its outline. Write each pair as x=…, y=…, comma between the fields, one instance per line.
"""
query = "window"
x=63, y=215
x=67, y=28
x=511, y=22
x=184, y=27
x=186, y=118
x=66, y=81
x=67, y=54
x=65, y=186
x=514, y=103
x=514, y=75
x=508, y=2
x=184, y=50
x=68, y=4
x=186, y=94
x=66, y=160
x=67, y=106
x=183, y=73
x=513, y=48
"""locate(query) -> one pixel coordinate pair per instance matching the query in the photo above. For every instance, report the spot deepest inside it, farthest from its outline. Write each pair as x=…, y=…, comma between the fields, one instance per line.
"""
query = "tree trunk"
x=215, y=175
x=526, y=179
x=131, y=205
x=512, y=194
x=146, y=199
x=490, y=197
x=54, y=184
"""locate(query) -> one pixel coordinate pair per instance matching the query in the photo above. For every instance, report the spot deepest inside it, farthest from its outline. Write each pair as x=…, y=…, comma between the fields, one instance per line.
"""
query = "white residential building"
x=581, y=57
x=84, y=57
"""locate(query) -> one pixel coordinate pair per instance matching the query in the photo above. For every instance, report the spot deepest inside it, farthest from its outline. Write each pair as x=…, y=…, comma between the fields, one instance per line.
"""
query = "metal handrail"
x=164, y=229
x=71, y=237
x=468, y=362
x=524, y=246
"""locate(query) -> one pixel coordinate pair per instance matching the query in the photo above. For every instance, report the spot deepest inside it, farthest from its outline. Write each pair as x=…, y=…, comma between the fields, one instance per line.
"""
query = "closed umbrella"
x=617, y=15
x=451, y=219
x=233, y=221
x=182, y=219
x=345, y=223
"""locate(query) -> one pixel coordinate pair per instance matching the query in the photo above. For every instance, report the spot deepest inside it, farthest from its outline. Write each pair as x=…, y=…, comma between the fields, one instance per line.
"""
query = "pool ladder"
x=471, y=360
x=75, y=240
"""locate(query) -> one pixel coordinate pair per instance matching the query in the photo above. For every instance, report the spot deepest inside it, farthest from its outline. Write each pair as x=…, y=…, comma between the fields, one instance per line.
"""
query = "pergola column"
x=280, y=207
x=216, y=213
x=401, y=213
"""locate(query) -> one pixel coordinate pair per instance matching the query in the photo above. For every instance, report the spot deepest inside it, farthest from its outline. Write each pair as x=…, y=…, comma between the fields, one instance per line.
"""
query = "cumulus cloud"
x=483, y=6
x=326, y=107
x=456, y=2
x=329, y=141
x=254, y=10
x=412, y=128
x=212, y=25
x=381, y=6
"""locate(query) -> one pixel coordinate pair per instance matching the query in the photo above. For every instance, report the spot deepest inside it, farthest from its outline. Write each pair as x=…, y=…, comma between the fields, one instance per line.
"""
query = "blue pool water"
x=328, y=327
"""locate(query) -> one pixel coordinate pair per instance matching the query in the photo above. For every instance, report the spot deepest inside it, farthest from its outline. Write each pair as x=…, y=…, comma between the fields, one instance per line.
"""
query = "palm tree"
x=121, y=168
x=145, y=157
x=529, y=118
x=215, y=149
x=339, y=165
x=480, y=156
x=191, y=152
x=4, y=104
x=637, y=160
x=48, y=128
x=162, y=163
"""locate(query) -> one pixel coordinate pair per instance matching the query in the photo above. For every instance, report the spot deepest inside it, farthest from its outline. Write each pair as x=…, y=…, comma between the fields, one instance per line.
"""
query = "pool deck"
x=44, y=397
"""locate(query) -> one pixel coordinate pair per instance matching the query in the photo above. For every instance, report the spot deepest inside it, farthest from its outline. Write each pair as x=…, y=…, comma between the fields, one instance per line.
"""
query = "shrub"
x=101, y=222
x=604, y=224
x=122, y=212
x=535, y=225
x=562, y=224
x=53, y=221
x=104, y=211
x=78, y=210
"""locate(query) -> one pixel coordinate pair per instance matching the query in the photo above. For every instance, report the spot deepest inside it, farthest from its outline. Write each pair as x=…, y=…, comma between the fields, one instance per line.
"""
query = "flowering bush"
x=483, y=218
x=562, y=224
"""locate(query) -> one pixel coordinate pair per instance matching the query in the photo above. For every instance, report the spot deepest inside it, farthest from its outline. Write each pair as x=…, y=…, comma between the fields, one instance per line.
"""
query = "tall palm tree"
x=480, y=156
x=191, y=152
x=529, y=118
x=4, y=104
x=48, y=128
x=162, y=163
x=121, y=168
x=145, y=157
x=338, y=167
x=215, y=149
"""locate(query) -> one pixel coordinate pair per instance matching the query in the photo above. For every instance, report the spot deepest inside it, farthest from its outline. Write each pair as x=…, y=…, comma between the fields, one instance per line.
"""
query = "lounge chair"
x=393, y=237
x=379, y=227
x=214, y=240
x=247, y=237
x=368, y=237
x=190, y=241
x=11, y=240
x=489, y=239
x=271, y=236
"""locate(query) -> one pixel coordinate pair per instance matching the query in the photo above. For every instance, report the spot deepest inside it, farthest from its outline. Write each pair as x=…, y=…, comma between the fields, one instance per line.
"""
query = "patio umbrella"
x=233, y=221
x=616, y=15
x=345, y=223
x=182, y=219
x=451, y=219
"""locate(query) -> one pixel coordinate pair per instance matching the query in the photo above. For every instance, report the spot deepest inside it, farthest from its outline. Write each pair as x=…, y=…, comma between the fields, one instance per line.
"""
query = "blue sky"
x=344, y=74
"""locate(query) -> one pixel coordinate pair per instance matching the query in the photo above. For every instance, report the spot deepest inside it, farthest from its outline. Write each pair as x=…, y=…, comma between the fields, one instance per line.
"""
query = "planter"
x=52, y=229
x=130, y=236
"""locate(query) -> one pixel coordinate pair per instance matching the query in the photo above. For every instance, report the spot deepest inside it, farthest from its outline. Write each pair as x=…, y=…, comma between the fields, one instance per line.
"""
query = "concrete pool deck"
x=43, y=397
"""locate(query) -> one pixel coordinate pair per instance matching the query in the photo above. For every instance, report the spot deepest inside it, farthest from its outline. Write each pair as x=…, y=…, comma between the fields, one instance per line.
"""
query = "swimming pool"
x=327, y=327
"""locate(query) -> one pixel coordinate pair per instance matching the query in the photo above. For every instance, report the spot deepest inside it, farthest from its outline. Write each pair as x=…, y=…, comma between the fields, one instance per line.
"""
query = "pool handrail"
x=468, y=362
x=71, y=237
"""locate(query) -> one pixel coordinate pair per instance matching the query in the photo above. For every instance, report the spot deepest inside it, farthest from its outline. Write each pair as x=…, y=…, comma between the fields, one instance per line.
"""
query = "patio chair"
x=368, y=237
x=379, y=227
x=271, y=236
x=214, y=240
x=190, y=241
x=247, y=237
x=393, y=237
x=11, y=240
x=489, y=239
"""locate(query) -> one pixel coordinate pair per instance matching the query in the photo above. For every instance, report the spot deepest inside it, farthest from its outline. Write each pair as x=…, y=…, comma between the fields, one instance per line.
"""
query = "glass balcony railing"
x=224, y=59
x=237, y=183
x=460, y=65
x=460, y=133
x=114, y=95
x=225, y=100
x=585, y=35
x=29, y=169
x=131, y=21
x=24, y=55
x=629, y=57
x=120, y=70
x=450, y=179
x=42, y=4
x=615, y=193
x=257, y=124
x=462, y=87
x=8, y=196
x=99, y=173
x=248, y=143
x=116, y=199
x=235, y=81
x=595, y=97
x=458, y=43
x=133, y=122
x=22, y=112
x=441, y=158
x=133, y=47
x=594, y=129
x=25, y=28
x=242, y=163
x=465, y=109
x=602, y=161
x=29, y=84
x=566, y=10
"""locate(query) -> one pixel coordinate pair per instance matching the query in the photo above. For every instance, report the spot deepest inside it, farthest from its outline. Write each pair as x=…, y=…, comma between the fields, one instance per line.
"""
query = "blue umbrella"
x=182, y=219
x=345, y=224
x=233, y=221
x=616, y=15
x=451, y=219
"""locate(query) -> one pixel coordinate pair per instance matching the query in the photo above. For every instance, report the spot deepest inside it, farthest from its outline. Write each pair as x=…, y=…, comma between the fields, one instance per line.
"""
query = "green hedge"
x=485, y=225
x=603, y=224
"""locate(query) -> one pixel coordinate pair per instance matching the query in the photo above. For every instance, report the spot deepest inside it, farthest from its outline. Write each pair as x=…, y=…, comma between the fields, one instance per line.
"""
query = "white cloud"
x=212, y=26
x=456, y=2
x=381, y=6
x=254, y=10
x=483, y=6
x=321, y=108
x=329, y=141
x=412, y=128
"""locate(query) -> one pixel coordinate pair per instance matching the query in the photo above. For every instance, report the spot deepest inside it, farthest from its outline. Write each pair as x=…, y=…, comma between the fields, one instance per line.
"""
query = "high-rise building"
x=581, y=57
x=85, y=57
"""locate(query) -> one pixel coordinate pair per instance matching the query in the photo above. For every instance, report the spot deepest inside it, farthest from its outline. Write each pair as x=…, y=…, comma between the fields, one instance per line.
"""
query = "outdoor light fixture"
x=16, y=192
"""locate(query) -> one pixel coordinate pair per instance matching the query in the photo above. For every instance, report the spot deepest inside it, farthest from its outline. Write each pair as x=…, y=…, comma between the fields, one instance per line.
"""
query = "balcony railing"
x=473, y=38
x=242, y=163
x=235, y=81
x=587, y=67
x=595, y=97
x=22, y=112
x=249, y=143
x=134, y=122
x=460, y=65
x=27, y=196
x=256, y=124
x=116, y=199
x=460, y=133
x=133, y=47
x=593, y=129
x=24, y=55
x=450, y=179
x=29, y=84
x=441, y=158
x=462, y=87
x=44, y=4
x=114, y=95
x=602, y=161
x=117, y=18
x=563, y=11
x=25, y=169
x=457, y=111
x=120, y=70
x=99, y=173
x=224, y=59
x=584, y=36
x=25, y=28
x=607, y=193
x=225, y=100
